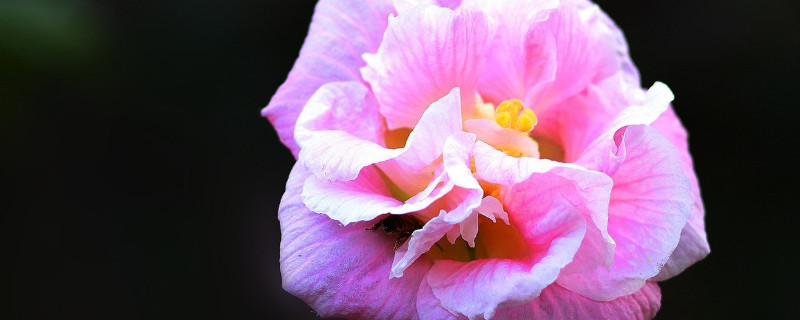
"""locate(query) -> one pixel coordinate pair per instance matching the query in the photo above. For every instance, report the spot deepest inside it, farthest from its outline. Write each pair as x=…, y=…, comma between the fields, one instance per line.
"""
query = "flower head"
x=480, y=159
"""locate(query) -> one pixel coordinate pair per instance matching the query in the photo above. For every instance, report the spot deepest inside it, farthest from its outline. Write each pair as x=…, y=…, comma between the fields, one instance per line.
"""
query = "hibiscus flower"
x=480, y=159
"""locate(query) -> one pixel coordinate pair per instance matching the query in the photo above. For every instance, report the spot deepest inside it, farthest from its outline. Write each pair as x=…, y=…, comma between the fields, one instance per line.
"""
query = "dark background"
x=139, y=180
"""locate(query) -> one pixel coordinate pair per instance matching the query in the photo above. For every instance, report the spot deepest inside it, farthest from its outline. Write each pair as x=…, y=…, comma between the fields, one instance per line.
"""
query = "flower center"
x=505, y=127
x=509, y=114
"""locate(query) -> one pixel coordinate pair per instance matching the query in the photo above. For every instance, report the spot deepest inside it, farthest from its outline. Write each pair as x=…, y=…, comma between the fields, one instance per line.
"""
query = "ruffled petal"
x=367, y=197
x=439, y=121
x=340, y=132
x=521, y=57
x=501, y=138
x=612, y=36
x=420, y=242
x=601, y=154
x=545, y=51
x=495, y=166
x=456, y=210
x=424, y=145
x=493, y=209
x=585, y=52
x=460, y=203
x=579, y=120
x=557, y=303
x=588, y=189
x=340, y=32
x=693, y=245
x=425, y=52
x=552, y=230
x=405, y=5
x=650, y=203
x=430, y=308
x=341, y=271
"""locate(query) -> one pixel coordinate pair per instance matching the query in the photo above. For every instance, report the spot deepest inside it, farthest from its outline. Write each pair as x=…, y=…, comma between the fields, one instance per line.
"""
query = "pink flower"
x=480, y=159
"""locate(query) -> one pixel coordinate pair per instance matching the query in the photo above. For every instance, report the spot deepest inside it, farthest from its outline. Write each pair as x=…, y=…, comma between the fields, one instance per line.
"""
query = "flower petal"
x=367, y=197
x=579, y=120
x=693, y=245
x=650, y=203
x=405, y=5
x=585, y=52
x=455, y=209
x=492, y=208
x=552, y=229
x=340, y=32
x=430, y=308
x=588, y=189
x=601, y=153
x=495, y=166
x=521, y=58
x=501, y=138
x=420, y=242
x=438, y=122
x=556, y=303
x=340, y=132
x=341, y=271
x=545, y=51
x=424, y=54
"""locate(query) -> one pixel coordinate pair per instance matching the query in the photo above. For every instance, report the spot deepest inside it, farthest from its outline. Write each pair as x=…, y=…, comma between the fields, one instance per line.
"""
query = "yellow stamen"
x=503, y=118
x=525, y=123
x=505, y=105
x=530, y=113
x=513, y=115
x=513, y=104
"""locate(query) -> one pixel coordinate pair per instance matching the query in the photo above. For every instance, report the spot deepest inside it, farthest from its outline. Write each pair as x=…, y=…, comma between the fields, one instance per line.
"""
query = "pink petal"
x=456, y=158
x=546, y=52
x=602, y=152
x=552, y=229
x=613, y=36
x=501, y=138
x=424, y=54
x=406, y=5
x=587, y=188
x=420, y=242
x=430, y=308
x=340, y=32
x=341, y=271
x=649, y=205
x=521, y=58
x=693, y=245
x=367, y=197
x=557, y=303
x=438, y=122
x=492, y=208
x=576, y=122
x=340, y=131
x=425, y=143
x=495, y=166
x=455, y=208
x=585, y=52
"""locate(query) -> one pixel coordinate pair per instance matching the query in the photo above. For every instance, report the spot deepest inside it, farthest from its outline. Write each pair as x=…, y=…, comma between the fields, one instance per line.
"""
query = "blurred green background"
x=139, y=180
